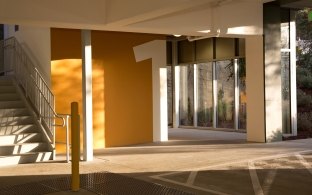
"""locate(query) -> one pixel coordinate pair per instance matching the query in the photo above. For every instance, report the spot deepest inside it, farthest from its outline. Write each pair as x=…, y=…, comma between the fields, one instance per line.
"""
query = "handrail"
x=15, y=60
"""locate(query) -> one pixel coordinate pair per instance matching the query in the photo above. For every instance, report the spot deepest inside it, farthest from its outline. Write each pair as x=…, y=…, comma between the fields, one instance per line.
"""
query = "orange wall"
x=122, y=88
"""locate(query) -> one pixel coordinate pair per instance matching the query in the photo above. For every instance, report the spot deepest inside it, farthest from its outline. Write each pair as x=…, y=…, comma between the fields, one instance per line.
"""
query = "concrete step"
x=9, y=97
x=18, y=129
x=16, y=120
x=7, y=89
x=20, y=138
x=11, y=104
x=6, y=82
x=30, y=157
x=14, y=112
x=23, y=148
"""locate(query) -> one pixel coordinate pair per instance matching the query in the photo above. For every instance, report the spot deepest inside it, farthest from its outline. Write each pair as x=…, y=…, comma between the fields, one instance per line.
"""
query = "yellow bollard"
x=75, y=140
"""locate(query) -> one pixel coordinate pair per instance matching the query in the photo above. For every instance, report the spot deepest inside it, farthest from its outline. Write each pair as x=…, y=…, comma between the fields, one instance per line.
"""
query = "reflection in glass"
x=285, y=35
x=225, y=94
x=187, y=95
x=286, y=92
x=242, y=94
x=205, y=103
x=169, y=95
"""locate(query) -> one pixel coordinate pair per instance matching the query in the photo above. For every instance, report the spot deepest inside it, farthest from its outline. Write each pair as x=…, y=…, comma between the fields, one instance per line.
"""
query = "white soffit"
x=234, y=17
x=146, y=16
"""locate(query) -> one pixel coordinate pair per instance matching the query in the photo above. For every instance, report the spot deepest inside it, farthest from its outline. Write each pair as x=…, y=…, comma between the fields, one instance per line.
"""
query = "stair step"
x=23, y=148
x=13, y=112
x=20, y=138
x=11, y=104
x=6, y=82
x=30, y=157
x=16, y=120
x=9, y=96
x=7, y=89
x=18, y=129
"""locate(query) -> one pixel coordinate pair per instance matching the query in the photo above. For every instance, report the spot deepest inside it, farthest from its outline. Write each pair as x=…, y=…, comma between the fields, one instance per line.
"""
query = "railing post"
x=75, y=132
x=67, y=139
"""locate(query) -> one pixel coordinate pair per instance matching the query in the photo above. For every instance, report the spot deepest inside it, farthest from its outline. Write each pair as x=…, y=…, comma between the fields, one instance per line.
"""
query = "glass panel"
x=225, y=94
x=285, y=92
x=186, y=95
x=169, y=95
x=242, y=94
x=304, y=73
x=205, y=103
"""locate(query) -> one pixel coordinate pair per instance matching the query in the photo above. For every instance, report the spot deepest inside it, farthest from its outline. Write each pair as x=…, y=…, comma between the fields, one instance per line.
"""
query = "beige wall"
x=255, y=89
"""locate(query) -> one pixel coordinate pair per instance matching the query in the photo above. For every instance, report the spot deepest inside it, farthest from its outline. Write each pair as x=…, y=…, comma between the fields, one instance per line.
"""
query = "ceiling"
x=181, y=17
x=297, y=3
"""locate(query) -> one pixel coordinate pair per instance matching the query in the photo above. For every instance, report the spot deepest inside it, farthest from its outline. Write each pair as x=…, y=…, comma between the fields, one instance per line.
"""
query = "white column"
x=87, y=95
x=236, y=92
x=176, y=85
x=293, y=79
x=215, y=94
x=176, y=97
x=195, y=95
x=156, y=50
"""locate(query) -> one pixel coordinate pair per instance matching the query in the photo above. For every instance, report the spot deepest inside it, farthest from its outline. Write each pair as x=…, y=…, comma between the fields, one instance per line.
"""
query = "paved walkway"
x=202, y=163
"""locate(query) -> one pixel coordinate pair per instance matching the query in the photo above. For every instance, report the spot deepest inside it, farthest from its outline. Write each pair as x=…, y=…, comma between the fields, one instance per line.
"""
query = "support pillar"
x=255, y=89
x=87, y=95
x=156, y=50
x=176, y=84
x=272, y=69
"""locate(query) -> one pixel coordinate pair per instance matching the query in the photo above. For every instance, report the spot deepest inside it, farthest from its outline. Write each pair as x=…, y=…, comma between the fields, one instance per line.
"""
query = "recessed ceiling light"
x=204, y=31
x=177, y=35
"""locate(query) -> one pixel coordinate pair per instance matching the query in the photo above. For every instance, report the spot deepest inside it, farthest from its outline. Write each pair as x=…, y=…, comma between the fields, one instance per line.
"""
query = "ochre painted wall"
x=122, y=88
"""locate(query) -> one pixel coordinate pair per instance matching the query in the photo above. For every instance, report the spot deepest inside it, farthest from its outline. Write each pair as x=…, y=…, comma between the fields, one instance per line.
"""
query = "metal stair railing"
x=17, y=63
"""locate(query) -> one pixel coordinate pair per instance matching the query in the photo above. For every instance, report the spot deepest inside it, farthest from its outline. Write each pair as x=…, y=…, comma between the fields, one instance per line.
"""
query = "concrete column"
x=177, y=97
x=156, y=50
x=273, y=82
x=176, y=84
x=293, y=74
x=87, y=95
x=255, y=89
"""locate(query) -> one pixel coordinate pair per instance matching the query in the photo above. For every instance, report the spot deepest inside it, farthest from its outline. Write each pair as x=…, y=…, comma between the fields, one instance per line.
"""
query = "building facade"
x=233, y=68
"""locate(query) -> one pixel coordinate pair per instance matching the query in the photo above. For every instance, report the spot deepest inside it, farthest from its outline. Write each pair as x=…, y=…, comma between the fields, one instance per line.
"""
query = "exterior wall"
x=122, y=87
x=36, y=43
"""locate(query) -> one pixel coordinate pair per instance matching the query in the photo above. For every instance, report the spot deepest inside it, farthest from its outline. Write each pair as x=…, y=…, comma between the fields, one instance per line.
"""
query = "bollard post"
x=75, y=140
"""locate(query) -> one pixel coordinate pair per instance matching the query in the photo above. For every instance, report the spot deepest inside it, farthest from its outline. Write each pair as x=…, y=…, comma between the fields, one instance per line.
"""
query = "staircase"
x=21, y=136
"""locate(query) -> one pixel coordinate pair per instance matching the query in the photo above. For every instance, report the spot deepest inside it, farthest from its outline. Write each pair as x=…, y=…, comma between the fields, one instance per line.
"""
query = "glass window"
x=205, y=103
x=285, y=35
x=225, y=94
x=304, y=73
x=285, y=61
x=169, y=94
x=187, y=95
x=242, y=93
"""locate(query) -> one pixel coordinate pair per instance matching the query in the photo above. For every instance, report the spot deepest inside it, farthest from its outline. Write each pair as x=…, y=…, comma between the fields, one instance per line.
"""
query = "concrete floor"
x=197, y=161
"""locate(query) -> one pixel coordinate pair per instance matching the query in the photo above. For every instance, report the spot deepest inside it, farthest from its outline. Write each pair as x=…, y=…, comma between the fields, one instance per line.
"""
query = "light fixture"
x=177, y=35
x=208, y=35
x=204, y=31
